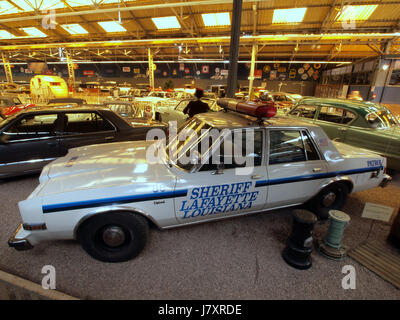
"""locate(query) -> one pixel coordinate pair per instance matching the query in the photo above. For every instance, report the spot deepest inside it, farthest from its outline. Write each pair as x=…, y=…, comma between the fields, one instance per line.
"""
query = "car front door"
x=85, y=128
x=294, y=167
x=230, y=188
x=28, y=143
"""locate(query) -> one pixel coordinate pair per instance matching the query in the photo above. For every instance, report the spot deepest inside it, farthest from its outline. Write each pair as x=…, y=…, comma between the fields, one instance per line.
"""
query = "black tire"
x=114, y=236
x=337, y=194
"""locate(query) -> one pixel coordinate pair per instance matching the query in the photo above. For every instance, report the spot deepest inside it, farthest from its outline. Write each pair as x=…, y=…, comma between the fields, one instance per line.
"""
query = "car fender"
x=347, y=179
x=110, y=210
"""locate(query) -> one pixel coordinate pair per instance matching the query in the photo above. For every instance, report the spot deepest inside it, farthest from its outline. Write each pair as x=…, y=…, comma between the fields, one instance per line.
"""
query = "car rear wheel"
x=114, y=236
x=333, y=197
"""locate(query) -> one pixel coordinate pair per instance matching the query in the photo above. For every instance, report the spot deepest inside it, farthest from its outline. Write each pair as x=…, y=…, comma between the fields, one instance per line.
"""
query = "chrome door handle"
x=109, y=138
x=342, y=129
x=256, y=176
x=317, y=169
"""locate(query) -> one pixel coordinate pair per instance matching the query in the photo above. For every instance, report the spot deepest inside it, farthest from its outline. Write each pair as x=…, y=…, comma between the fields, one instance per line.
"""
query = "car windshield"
x=382, y=119
x=182, y=147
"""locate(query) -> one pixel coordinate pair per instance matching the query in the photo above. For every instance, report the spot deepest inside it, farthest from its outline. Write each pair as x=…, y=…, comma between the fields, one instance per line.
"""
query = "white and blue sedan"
x=105, y=195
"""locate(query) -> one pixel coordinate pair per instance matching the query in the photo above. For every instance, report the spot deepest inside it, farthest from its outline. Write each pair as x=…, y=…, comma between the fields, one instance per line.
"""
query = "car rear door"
x=28, y=143
x=330, y=118
x=307, y=112
x=295, y=167
x=81, y=128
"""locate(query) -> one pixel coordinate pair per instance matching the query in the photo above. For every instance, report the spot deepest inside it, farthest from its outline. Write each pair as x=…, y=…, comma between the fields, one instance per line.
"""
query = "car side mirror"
x=4, y=139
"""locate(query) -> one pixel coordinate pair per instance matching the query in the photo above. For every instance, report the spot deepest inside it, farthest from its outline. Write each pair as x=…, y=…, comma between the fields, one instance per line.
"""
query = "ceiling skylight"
x=294, y=15
x=74, y=28
x=4, y=34
x=355, y=13
x=166, y=23
x=216, y=19
x=112, y=26
x=7, y=8
x=34, y=32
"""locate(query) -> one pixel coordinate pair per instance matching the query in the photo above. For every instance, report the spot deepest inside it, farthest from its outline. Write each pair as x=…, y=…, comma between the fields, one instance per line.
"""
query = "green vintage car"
x=358, y=123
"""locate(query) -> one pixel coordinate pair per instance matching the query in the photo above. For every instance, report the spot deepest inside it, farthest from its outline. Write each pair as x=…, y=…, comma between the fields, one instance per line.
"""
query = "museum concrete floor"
x=238, y=258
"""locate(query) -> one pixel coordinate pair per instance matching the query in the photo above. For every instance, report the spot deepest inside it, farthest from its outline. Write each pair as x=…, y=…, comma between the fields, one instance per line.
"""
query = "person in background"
x=196, y=106
x=355, y=95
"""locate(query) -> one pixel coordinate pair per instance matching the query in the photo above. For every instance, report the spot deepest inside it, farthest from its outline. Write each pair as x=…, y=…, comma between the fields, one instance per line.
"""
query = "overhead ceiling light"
x=34, y=32
x=216, y=19
x=111, y=26
x=4, y=34
x=166, y=23
x=294, y=15
x=74, y=28
x=355, y=13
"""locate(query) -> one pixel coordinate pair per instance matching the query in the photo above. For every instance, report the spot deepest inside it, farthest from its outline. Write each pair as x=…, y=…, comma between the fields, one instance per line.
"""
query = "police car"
x=105, y=195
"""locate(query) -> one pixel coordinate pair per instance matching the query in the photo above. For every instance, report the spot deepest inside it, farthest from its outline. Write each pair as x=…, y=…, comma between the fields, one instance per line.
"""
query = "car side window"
x=85, y=122
x=348, y=117
x=279, y=98
x=311, y=152
x=331, y=114
x=32, y=126
x=286, y=146
x=234, y=151
x=304, y=111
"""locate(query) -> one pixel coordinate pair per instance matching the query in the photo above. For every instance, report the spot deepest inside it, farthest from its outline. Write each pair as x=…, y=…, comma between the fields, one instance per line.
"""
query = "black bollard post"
x=299, y=245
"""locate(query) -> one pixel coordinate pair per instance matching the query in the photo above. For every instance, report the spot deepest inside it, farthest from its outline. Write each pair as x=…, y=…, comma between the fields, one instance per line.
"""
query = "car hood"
x=103, y=165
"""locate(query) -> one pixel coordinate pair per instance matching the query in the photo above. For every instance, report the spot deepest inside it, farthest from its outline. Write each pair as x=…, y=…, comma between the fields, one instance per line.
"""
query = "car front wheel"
x=114, y=236
x=333, y=197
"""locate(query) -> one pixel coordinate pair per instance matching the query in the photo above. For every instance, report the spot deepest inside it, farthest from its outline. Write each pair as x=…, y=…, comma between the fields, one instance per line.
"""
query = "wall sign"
x=205, y=69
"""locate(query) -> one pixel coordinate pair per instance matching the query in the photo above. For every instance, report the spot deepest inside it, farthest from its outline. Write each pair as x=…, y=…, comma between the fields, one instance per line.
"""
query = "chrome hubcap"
x=113, y=236
x=329, y=199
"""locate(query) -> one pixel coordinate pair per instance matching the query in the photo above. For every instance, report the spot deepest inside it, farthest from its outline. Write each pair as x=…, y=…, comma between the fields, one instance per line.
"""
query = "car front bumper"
x=386, y=179
x=17, y=242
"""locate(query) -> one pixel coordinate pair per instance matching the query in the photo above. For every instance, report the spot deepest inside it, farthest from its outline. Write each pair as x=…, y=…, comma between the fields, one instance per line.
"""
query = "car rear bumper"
x=19, y=243
x=386, y=179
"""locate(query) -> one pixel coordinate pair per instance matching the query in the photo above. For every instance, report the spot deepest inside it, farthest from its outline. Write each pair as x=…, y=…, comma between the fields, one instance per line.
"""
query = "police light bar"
x=255, y=109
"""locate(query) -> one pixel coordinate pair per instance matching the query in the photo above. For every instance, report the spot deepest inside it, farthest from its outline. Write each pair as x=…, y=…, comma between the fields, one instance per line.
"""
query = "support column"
x=234, y=48
x=71, y=71
x=252, y=67
x=151, y=70
x=7, y=68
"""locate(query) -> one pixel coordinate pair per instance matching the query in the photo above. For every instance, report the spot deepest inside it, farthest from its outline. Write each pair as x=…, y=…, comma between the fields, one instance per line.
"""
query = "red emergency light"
x=255, y=109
